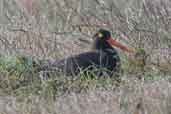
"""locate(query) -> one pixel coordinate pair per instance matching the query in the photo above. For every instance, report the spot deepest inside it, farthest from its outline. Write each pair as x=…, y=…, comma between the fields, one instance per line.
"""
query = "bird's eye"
x=100, y=35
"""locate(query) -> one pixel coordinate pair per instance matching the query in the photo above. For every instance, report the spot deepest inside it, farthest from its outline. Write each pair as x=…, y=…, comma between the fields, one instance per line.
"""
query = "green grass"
x=19, y=78
x=21, y=81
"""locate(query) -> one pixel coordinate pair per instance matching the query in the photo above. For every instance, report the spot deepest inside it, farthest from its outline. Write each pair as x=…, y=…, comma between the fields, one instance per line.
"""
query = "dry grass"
x=52, y=29
x=134, y=96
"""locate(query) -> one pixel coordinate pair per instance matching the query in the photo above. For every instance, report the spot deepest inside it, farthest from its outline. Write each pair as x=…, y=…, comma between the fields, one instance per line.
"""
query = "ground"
x=33, y=32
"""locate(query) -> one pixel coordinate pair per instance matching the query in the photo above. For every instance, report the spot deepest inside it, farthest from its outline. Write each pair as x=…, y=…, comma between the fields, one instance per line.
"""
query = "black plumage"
x=89, y=61
x=104, y=57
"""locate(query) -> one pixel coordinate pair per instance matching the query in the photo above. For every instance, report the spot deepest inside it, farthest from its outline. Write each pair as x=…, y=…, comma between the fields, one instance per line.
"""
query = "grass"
x=37, y=29
x=20, y=78
x=70, y=94
x=57, y=93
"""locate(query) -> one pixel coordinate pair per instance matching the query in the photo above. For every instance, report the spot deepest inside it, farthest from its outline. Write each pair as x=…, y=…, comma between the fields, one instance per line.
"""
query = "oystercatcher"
x=104, y=57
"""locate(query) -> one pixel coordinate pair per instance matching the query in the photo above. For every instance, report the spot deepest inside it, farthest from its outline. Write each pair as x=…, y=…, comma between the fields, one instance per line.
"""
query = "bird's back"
x=86, y=61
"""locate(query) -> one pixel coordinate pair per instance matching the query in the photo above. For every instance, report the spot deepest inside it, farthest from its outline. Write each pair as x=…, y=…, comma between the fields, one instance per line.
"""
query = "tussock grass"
x=125, y=91
x=19, y=77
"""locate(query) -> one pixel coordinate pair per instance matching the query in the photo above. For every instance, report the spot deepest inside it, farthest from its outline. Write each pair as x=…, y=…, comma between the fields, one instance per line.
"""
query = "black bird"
x=104, y=57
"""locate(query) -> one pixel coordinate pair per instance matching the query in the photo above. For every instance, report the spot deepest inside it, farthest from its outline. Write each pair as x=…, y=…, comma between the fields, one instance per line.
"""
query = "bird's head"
x=103, y=40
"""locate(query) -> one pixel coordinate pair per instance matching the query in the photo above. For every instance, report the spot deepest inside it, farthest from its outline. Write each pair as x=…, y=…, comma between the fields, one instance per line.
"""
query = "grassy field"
x=35, y=32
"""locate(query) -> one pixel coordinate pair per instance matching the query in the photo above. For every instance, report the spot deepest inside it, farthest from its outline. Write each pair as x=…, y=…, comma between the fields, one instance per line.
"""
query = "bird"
x=103, y=57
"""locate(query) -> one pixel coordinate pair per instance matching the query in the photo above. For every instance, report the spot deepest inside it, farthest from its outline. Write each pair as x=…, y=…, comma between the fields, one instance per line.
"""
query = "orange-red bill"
x=113, y=42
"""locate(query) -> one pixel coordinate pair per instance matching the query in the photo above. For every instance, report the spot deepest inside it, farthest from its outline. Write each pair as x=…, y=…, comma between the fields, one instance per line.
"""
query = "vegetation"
x=32, y=32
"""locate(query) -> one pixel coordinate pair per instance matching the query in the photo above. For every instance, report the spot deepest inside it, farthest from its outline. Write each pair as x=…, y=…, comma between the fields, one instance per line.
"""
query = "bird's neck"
x=108, y=51
x=111, y=53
